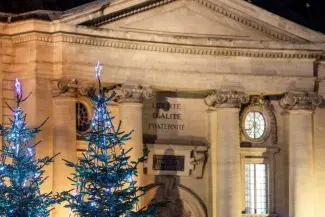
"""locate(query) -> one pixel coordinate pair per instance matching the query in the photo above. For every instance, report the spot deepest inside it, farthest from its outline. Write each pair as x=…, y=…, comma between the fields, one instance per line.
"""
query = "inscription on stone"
x=172, y=113
x=168, y=162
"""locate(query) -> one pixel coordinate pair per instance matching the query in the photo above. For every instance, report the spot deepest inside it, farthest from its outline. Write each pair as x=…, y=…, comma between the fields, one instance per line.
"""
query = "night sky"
x=309, y=13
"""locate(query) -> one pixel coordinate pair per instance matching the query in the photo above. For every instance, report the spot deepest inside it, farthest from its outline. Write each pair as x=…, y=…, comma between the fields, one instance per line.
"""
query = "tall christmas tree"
x=104, y=176
x=21, y=174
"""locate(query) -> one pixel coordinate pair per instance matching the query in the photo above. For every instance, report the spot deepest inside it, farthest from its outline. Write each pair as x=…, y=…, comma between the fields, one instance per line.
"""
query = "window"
x=82, y=117
x=257, y=178
x=256, y=189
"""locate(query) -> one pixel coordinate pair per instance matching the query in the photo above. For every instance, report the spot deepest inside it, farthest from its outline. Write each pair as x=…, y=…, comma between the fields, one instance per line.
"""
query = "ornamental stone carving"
x=263, y=105
x=132, y=93
x=300, y=100
x=69, y=88
x=85, y=89
x=227, y=99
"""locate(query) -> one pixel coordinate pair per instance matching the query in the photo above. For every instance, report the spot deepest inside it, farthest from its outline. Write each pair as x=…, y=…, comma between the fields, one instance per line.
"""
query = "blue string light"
x=20, y=174
x=103, y=177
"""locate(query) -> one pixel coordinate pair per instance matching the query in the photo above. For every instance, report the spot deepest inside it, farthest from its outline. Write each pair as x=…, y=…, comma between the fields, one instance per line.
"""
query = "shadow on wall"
x=168, y=189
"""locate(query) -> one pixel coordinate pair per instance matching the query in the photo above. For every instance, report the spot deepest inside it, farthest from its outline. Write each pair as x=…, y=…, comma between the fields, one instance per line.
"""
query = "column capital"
x=132, y=93
x=300, y=101
x=69, y=88
x=226, y=99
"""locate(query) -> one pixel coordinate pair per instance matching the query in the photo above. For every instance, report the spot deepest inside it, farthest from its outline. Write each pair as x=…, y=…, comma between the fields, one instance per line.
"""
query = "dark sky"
x=310, y=13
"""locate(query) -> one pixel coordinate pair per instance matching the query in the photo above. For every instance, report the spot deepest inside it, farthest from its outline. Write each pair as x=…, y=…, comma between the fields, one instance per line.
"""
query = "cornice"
x=258, y=151
x=170, y=48
x=271, y=32
x=247, y=22
x=126, y=12
x=259, y=215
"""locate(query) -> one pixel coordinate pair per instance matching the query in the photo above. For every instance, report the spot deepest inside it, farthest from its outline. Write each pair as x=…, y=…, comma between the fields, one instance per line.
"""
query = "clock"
x=256, y=124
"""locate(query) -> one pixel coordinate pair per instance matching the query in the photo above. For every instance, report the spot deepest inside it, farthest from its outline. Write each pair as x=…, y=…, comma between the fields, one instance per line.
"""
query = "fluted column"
x=130, y=98
x=301, y=174
x=64, y=115
x=225, y=151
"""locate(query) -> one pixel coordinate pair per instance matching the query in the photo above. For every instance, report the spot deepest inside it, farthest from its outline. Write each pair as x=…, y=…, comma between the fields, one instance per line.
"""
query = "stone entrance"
x=182, y=201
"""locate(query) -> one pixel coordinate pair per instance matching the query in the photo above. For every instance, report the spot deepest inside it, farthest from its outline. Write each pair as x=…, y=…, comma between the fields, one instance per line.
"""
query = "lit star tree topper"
x=21, y=174
x=98, y=70
x=18, y=87
x=103, y=178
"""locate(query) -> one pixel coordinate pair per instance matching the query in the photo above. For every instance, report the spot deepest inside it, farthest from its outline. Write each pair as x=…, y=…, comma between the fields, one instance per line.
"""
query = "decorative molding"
x=132, y=93
x=84, y=89
x=65, y=87
x=126, y=12
x=259, y=215
x=259, y=151
x=199, y=161
x=247, y=22
x=207, y=4
x=170, y=48
x=259, y=103
x=300, y=100
x=69, y=88
x=226, y=99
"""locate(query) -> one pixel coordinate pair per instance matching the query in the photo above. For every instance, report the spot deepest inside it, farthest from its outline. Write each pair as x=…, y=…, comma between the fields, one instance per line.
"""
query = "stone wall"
x=181, y=71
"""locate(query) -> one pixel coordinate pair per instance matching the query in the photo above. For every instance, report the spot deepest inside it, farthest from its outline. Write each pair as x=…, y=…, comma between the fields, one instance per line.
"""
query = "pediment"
x=187, y=20
x=199, y=18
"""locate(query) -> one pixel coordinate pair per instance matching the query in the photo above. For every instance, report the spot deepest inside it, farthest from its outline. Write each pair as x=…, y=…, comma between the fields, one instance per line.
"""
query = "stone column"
x=64, y=116
x=130, y=98
x=300, y=139
x=225, y=151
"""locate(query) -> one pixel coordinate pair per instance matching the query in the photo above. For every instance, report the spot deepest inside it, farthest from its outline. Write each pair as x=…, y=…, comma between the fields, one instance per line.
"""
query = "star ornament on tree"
x=22, y=174
x=18, y=87
x=98, y=69
x=103, y=177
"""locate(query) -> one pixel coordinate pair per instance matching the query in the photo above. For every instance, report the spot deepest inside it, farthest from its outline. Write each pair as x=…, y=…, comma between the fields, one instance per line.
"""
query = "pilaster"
x=300, y=138
x=64, y=115
x=225, y=151
x=130, y=98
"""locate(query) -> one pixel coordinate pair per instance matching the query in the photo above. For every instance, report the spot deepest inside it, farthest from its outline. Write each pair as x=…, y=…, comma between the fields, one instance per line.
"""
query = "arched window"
x=82, y=117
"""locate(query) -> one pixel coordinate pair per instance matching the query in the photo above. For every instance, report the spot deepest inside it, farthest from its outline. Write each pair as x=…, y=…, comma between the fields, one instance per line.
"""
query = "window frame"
x=87, y=112
x=257, y=155
x=89, y=107
x=255, y=162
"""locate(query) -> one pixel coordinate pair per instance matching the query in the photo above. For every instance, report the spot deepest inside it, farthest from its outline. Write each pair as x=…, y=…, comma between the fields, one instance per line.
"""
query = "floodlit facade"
x=226, y=96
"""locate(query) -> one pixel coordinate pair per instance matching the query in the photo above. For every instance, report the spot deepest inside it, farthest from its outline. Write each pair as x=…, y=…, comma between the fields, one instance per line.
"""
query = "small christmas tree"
x=104, y=176
x=21, y=175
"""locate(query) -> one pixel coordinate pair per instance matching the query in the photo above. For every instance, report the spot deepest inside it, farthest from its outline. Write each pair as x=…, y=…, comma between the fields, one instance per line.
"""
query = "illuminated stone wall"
x=171, y=59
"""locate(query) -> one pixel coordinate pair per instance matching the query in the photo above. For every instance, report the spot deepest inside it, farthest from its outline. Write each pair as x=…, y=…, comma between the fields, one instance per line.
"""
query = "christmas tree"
x=104, y=176
x=21, y=175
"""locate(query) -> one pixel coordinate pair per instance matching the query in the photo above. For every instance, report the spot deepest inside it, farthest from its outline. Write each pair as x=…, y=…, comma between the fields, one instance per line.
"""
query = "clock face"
x=255, y=125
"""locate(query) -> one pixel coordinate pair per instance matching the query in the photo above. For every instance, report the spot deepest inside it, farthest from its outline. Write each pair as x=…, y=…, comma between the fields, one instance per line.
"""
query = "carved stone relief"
x=168, y=191
x=263, y=105
x=132, y=93
x=227, y=99
x=300, y=100
x=182, y=203
x=70, y=88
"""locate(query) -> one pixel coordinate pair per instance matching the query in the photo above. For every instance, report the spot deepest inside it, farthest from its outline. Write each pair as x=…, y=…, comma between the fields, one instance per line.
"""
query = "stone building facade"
x=226, y=96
